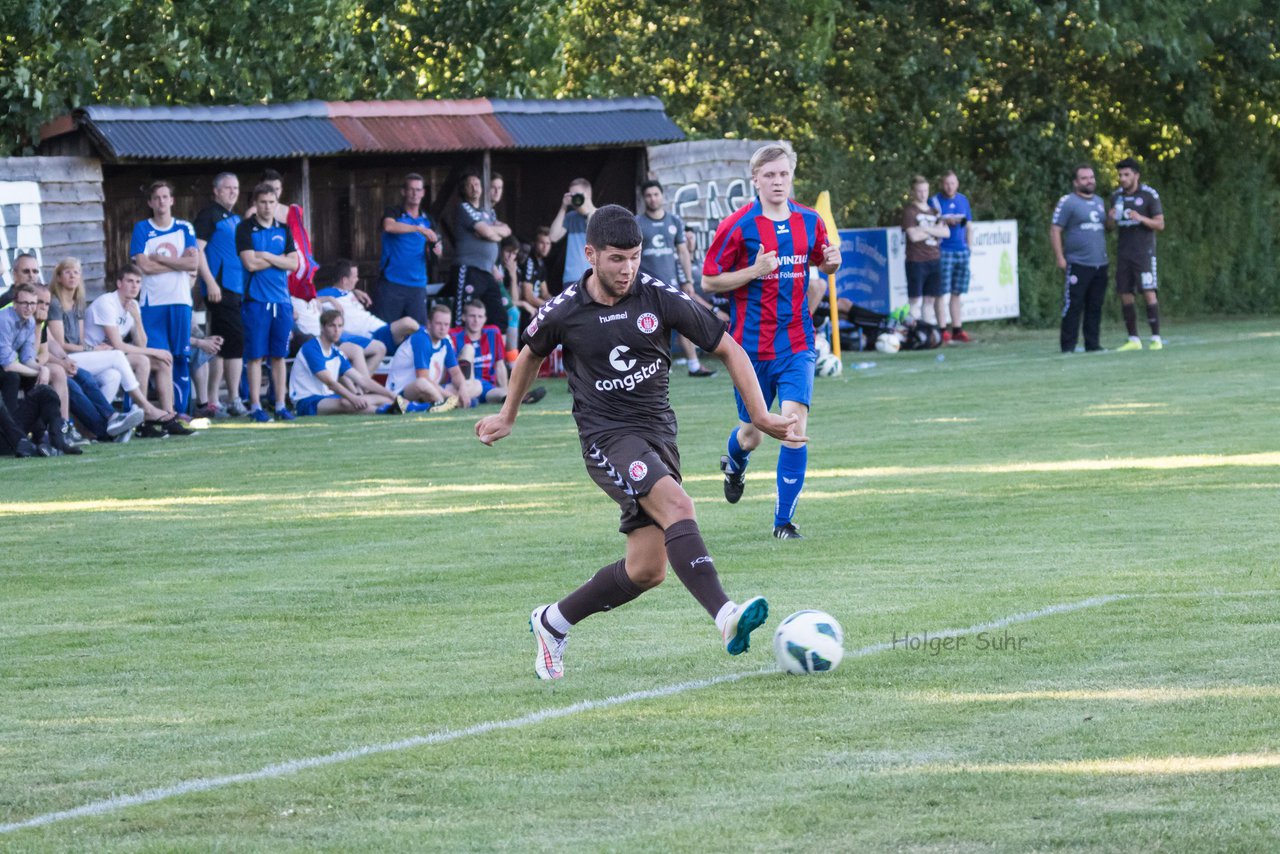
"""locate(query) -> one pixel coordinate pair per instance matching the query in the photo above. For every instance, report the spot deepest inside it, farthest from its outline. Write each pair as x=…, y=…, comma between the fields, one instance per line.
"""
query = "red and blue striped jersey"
x=769, y=317
x=489, y=350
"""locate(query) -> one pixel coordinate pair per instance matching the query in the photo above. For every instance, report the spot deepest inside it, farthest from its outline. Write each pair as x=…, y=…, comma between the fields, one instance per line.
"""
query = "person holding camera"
x=575, y=209
x=956, y=214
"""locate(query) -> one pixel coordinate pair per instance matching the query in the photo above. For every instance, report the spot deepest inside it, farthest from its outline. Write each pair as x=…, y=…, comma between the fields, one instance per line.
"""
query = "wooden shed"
x=51, y=207
x=344, y=162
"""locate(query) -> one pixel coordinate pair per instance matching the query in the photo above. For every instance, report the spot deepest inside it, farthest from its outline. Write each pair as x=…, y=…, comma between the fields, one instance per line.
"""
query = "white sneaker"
x=548, y=663
x=237, y=408
x=124, y=422
x=744, y=619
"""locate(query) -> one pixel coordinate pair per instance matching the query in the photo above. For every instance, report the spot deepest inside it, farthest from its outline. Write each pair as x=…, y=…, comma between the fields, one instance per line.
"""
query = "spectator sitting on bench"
x=111, y=319
x=422, y=362
x=324, y=383
x=337, y=287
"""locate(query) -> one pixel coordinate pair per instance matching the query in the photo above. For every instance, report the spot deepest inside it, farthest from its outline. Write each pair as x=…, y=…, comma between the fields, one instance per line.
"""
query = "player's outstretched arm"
x=494, y=427
x=743, y=375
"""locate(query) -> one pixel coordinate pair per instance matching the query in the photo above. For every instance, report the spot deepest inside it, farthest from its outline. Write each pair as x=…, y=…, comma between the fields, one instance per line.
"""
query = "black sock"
x=688, y=556
x=1153, y=317
x=1130, y=318
x=607, y=589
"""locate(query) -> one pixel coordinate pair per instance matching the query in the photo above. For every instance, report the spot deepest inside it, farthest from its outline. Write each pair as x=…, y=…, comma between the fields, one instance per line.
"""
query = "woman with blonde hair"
x=108, y=366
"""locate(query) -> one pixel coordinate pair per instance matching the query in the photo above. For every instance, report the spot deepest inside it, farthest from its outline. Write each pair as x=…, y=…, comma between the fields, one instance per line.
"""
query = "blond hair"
x=771, y=152
x=63, y=265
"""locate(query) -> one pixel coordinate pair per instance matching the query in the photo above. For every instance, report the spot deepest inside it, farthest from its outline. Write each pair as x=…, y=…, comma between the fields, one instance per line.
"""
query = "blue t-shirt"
x=957, y=205
x=404, y=256
x=272, y=284
x=216, y=226
x=575, y=247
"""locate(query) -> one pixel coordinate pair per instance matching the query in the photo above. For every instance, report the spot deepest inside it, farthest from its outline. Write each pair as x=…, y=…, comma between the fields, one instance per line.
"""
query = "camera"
x=577, y=200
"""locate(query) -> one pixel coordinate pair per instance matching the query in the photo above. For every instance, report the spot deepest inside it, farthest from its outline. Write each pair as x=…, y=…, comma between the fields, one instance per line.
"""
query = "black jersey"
x=1134, y=240
x=618, y=357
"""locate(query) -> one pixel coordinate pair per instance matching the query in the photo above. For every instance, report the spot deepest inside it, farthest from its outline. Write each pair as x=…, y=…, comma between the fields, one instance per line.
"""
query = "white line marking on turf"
x=284, y=769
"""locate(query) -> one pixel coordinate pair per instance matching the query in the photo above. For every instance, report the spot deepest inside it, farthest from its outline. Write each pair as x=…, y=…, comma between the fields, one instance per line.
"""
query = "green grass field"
x=338, y=610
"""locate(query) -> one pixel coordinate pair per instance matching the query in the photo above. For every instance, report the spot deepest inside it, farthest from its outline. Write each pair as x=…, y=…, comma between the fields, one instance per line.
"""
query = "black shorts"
x=924, y=279
x=1135, y=276
x=392, y=302
x=225, y=320
x=626, y=466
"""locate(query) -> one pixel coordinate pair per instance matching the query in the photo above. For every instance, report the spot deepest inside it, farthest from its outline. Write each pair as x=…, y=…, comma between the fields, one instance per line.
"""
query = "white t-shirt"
x=419, y=352
x=306, y=316
x=106, y=310
x=357, y=320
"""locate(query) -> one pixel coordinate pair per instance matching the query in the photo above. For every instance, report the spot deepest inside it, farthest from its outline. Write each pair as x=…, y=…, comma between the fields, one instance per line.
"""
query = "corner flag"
x=823, y=207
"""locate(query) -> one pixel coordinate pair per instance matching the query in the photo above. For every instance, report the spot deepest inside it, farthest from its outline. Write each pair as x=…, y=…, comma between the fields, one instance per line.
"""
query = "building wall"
x=52, y=206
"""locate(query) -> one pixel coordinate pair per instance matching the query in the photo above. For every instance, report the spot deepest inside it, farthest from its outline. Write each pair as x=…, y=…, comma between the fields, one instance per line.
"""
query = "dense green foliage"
x=1010, y=93
x=186, y=609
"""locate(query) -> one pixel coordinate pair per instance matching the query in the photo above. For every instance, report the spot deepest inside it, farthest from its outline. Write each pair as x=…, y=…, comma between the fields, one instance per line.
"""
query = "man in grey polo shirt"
x=476, y=235
x=1078, y=236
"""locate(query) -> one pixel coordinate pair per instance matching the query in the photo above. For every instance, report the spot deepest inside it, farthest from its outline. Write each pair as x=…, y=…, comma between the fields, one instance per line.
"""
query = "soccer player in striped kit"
x=760, y=256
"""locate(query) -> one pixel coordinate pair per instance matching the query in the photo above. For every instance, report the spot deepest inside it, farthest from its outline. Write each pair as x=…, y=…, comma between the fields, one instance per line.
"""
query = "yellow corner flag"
x=823, y=207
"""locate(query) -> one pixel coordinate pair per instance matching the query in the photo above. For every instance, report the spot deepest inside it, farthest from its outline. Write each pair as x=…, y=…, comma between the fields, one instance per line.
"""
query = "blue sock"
x=792, y=463
x=737, y=457
x=418, y=407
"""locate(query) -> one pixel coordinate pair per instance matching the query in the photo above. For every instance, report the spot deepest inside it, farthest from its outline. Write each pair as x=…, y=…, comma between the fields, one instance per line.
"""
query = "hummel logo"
x=790, y=480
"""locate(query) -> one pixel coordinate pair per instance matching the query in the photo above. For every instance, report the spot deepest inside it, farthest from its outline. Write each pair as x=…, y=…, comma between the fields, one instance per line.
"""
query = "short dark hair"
x=126, y=269
x=509, y=242
x=467, y=173
x=1075, y=173
x=496, y=176
x=331, y=272
x=329, y=315
x=474, y=303
x=155, y=185
x=1129, y=163
x=542, y=231
x=262, y=189
x=24, y=289
x=271, y=175
x=414, y=176
x=650, y=183
x=613, y=225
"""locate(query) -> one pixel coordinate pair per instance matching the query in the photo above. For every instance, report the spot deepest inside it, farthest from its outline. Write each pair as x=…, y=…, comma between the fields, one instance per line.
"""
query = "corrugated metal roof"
x=314, y=128
x=215, y=133
x=578, y=123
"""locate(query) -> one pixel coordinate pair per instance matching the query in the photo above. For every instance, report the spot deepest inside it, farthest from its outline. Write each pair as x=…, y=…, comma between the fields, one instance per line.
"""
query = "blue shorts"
x=382, y=333
x=955, y=272
x=168, y=327
x=785, y=378
x=310, y=405
x=266, y=329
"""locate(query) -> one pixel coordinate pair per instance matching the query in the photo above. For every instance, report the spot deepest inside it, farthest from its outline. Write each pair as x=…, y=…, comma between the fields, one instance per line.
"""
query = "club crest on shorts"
x=647, y=322
x=637, y=470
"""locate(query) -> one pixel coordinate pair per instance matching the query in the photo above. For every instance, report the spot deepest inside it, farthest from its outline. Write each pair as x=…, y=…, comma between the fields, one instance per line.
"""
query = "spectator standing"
x=1079, y=244
x=111, y=320
x=571, y=222
x=760, y=256
x=665, y=256
x=534, y=287
x=165, y=249
x=955, y=251
x=496, y=187
x=407, y=237
x=222, y=276
x=1137, y=213
x=267, y=254
x=476, y=235
x=922, y=225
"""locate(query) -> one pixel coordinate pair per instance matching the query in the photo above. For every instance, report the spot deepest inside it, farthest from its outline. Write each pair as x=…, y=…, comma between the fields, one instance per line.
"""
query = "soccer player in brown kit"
x=614, y=324
x=1136, y=212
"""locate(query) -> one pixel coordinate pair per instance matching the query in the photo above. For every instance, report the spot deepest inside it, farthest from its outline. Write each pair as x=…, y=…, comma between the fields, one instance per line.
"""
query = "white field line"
x=284, y=769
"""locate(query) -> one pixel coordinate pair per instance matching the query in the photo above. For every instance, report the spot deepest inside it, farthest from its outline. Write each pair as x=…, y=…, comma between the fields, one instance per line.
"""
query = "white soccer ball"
x=829, y=366
x=808, y=642
x=821, y=345
x=888, y=342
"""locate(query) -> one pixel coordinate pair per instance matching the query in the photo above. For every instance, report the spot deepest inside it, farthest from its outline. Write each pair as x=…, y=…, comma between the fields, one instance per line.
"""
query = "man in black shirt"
x=1138, y=215
x=614, y=324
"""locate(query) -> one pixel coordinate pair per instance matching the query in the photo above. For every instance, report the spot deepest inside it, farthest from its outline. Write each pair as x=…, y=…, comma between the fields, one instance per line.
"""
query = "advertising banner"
x=993, y=288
